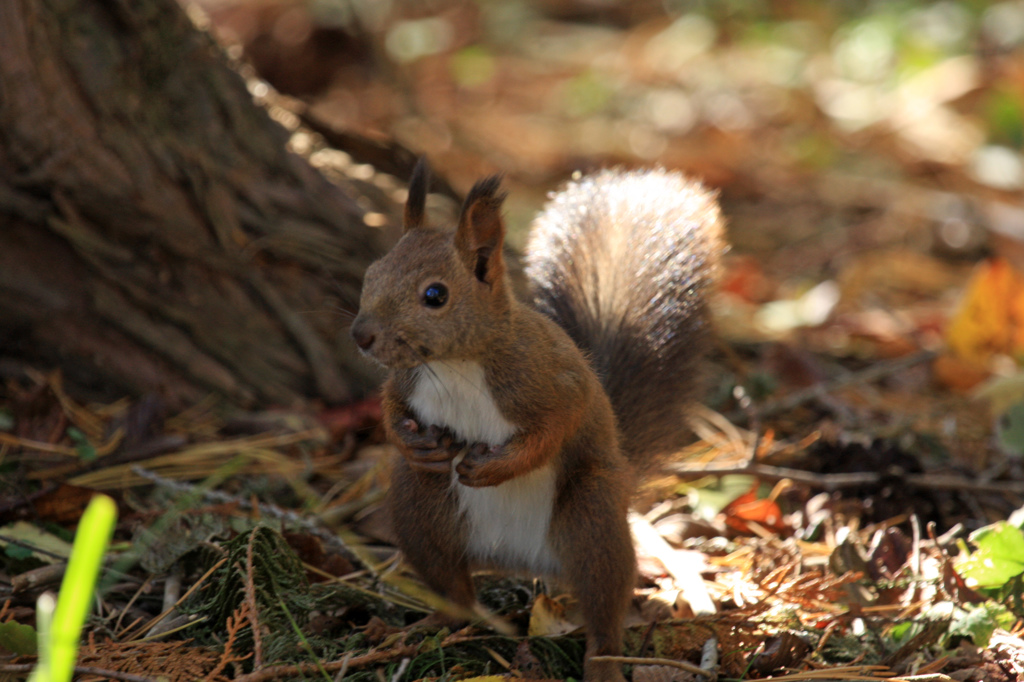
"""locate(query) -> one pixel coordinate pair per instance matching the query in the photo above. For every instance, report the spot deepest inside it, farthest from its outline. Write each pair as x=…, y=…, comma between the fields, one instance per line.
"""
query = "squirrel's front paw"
x=484, y=465
x=430, y=449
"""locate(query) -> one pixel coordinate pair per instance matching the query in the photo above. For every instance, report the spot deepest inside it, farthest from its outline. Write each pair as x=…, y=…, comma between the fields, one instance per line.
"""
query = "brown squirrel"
x=523, y=428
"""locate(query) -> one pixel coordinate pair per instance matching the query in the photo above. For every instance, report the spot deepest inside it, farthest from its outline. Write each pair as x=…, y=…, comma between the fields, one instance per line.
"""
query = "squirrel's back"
x=625, y=261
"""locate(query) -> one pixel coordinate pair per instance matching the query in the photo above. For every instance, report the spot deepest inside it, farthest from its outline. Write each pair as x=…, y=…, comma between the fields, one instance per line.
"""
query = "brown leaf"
x=547, y=618
x=956, y=588
x=63, y=504
x=311, y=551
x=747, y=508
x=785, y=650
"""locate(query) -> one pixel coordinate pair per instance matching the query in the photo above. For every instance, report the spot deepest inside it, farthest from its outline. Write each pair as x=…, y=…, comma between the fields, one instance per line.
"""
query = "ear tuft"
x=481, y=230
x=415, y=204
x=485, y=190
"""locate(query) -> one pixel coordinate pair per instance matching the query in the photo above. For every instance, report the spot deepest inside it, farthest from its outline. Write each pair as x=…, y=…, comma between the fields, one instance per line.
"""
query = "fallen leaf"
x=63, y=504
x=18, y=639
x=52, y=547
x=547, y=618
x=957, y=373
x=748, y=508
x=998, y=558
x=990, y=318
x=744, y=277
x=778, y=652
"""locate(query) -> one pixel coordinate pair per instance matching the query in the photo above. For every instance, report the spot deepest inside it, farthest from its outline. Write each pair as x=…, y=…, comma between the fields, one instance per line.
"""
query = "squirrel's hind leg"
x=430, y=531
x=595, y=550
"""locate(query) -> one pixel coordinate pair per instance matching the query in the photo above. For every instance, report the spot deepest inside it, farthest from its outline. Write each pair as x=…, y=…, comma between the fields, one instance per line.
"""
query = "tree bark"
x=156, y=235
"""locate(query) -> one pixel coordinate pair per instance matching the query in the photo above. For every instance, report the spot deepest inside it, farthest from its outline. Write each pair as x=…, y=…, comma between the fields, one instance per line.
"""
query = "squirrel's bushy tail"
x=624, y=261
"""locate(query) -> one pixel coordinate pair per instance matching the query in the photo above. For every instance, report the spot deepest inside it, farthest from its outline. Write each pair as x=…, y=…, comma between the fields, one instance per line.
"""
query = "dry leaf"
x=958, y=374
x=547, y=618
x=747, y=507
x=63, y=504
x=990, y=319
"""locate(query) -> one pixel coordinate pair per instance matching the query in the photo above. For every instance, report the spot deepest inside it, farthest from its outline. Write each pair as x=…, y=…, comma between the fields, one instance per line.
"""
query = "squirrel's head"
x=438, y=294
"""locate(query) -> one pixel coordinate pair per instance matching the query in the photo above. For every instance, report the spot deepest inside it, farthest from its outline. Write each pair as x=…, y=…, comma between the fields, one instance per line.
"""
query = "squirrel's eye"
x=435, y=295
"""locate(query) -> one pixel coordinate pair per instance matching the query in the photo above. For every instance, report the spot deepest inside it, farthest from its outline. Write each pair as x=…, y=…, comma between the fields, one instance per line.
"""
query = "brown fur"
x=540, y=382
x=624, y=262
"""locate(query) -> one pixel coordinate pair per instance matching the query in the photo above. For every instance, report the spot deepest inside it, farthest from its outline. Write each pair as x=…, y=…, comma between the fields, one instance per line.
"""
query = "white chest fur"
x=508, y=523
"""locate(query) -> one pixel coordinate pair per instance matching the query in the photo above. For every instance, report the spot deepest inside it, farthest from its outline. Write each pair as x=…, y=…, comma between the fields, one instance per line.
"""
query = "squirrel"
x=524, y=427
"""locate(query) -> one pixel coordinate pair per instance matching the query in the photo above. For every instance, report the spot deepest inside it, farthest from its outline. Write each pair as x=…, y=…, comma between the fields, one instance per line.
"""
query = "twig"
x=825, y=637
x=709, y=657
x=401, y=669
x=37, y=577
x=753, y=420
x=344, y=668
x=947, y=482
x=38, y=446
x=837, y=481
x=846, y=672
x=232, y=625
x=51, y=573
x=348, y=662
x=250, y=598
x=915, y=555
x=128, y=606
x=682, y=665
x=148, y=626
x=79, y=670
x=172, y=593
x=868, y=374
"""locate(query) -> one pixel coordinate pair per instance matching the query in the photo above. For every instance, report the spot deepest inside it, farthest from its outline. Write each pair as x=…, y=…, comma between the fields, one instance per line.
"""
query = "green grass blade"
x=59, y=645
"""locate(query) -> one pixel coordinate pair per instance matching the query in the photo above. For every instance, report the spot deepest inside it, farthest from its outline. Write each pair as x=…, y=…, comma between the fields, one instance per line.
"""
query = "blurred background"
x=868, y=154
x=873, y=102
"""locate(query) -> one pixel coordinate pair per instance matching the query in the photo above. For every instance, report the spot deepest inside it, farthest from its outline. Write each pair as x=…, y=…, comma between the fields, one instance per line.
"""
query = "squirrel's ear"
x=416, y=203
x=481, y=230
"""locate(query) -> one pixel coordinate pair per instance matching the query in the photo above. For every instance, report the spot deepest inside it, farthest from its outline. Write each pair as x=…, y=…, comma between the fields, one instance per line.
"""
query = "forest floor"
x=847, y=511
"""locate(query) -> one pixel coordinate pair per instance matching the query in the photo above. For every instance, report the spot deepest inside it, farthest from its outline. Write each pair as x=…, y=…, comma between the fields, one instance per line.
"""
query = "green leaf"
x=1010, y=430
x=902, y=631
x=978, y=622
x=473, y=66
x=17, y=638
x=17, y=552
x=85, y=449
x=1004, y=114
x=710, y=500
x=999, y=556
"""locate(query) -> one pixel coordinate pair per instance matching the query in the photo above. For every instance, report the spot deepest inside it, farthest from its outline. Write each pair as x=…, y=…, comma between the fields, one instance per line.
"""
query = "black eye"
x=435, y=295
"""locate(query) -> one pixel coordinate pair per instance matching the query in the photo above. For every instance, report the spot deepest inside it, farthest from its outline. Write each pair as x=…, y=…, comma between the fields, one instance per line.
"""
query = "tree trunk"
x=155, y=233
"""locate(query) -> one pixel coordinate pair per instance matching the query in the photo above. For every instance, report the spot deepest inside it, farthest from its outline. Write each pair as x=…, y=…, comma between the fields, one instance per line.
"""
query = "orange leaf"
x=957, y=373
x=990, y=319
x=747, y=507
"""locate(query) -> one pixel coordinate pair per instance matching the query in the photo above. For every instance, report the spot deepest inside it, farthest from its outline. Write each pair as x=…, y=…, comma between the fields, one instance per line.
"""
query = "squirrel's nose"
x=363, y=334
